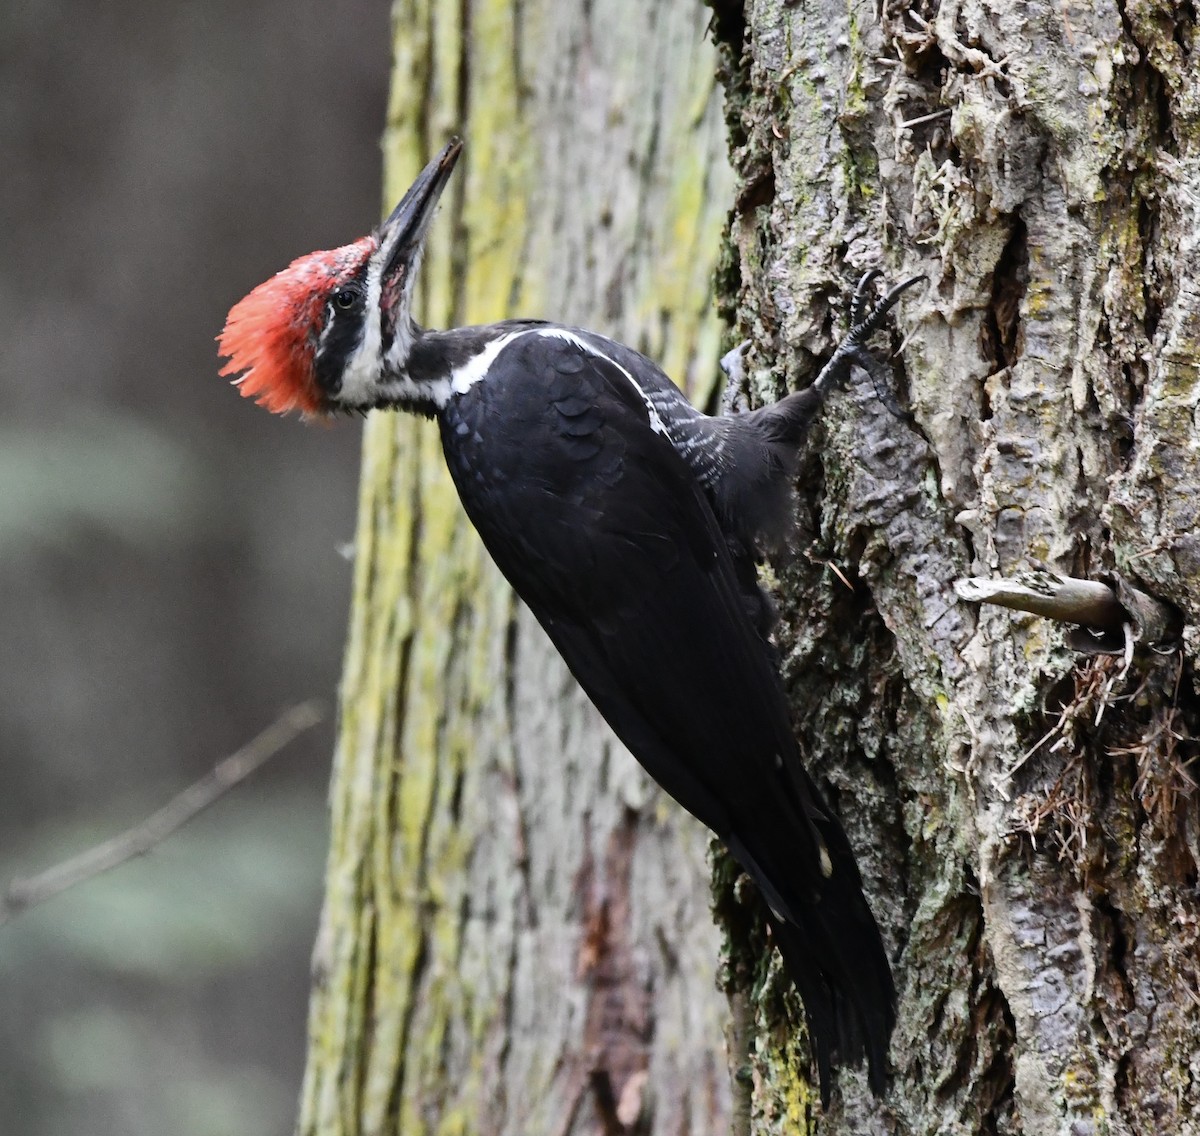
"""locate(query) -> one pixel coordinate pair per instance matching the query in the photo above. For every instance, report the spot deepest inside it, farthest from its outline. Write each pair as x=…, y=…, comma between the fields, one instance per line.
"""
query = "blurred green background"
x=170, y=574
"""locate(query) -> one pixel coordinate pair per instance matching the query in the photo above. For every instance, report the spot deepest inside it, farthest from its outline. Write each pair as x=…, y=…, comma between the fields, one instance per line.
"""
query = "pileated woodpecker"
x=630, y=523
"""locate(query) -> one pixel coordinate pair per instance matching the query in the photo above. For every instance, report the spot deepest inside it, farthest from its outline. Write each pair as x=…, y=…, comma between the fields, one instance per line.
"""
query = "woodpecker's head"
x=333, y=330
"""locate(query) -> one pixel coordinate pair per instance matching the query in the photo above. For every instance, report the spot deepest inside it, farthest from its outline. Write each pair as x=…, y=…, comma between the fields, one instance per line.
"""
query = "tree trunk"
x=1023, y=810
x=516, y=935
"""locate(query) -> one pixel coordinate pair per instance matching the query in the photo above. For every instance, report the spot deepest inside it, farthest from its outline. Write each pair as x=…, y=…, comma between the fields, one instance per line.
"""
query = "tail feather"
x=832, y=950
x=845, y=1022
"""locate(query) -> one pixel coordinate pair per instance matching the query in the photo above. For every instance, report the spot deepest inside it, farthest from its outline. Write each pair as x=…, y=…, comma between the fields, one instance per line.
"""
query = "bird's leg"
x=852, y=351
x=788, y=420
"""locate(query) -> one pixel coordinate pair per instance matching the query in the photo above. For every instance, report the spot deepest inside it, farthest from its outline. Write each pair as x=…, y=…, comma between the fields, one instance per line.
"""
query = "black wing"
x=603, y=531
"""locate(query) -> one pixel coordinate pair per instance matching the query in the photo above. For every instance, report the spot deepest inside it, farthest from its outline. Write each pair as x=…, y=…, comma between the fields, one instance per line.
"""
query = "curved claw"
x=864, y=326
x=733, y=362
x=894, y=293
x=858, y=302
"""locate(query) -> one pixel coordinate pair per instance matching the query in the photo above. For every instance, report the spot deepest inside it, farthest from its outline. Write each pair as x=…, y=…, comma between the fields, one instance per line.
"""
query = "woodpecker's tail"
x=830, y=945
x=849, y=1015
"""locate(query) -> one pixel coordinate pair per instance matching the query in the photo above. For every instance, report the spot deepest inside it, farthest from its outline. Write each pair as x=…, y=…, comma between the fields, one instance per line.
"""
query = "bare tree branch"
x=23, y=894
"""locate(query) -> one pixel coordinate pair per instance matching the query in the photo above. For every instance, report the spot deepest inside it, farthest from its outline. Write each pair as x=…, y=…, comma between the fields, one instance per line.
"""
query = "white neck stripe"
x=463, y=378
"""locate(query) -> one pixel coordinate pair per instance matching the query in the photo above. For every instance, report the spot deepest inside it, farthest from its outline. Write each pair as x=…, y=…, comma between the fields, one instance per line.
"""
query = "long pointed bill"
x=401, y=239
x=402, y=234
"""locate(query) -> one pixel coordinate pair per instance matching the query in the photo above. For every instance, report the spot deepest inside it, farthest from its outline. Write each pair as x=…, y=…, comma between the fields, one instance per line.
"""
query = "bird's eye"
x=345, y=298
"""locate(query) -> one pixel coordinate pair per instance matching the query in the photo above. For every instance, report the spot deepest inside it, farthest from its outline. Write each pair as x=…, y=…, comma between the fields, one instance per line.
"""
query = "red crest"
x=270, y=336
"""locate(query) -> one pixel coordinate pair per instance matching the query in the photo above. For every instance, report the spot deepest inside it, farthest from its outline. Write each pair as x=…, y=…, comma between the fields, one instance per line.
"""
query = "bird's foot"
x=865, y=320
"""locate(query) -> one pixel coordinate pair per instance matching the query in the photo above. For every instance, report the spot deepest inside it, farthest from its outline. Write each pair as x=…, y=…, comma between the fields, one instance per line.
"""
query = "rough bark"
x=1025, y=817
x=516, y=935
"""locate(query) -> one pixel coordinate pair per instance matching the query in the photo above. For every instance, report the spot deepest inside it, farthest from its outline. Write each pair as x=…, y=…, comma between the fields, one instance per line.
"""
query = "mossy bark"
x=516, y=936
x=1024, y=814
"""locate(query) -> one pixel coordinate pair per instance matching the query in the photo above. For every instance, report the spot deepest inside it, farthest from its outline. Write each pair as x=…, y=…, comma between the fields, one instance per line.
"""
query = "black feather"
x=608, y=534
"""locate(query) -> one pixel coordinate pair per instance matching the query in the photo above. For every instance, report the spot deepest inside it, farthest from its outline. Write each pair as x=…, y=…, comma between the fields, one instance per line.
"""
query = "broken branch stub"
x=1111, y=615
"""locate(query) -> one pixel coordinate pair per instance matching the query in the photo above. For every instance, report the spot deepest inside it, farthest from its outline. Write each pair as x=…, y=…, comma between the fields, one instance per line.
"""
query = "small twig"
x=906, y=125
x=839, y=574
x=23, y=894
